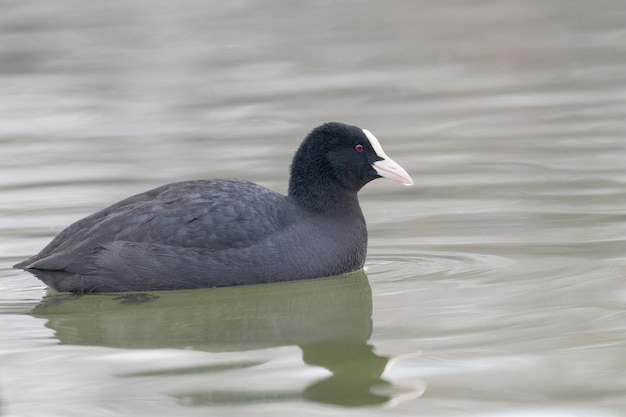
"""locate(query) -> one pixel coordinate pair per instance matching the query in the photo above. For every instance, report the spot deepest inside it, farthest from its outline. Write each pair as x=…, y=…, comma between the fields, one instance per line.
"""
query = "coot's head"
x=339, y=156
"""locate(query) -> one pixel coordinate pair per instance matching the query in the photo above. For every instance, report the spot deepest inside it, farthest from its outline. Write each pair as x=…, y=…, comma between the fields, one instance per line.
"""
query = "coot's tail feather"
x=21, y=265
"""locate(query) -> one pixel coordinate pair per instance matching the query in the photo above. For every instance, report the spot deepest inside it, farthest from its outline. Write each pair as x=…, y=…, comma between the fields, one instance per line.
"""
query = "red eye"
x=359, y=148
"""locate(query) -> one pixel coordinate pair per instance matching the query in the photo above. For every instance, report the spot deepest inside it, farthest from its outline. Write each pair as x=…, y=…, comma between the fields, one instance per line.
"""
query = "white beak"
x=387, y=167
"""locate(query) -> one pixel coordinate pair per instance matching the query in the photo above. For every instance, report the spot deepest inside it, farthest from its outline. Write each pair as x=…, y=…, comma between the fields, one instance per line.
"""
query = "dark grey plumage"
x=223, y=232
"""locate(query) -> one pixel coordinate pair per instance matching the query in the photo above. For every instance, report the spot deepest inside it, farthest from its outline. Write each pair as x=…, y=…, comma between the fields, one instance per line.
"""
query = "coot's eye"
x=359, y=148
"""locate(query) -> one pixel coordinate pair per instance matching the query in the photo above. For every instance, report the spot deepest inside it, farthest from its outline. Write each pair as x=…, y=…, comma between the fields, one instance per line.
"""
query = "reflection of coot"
x=329, y=318
x=218, y=319
x=355, y=369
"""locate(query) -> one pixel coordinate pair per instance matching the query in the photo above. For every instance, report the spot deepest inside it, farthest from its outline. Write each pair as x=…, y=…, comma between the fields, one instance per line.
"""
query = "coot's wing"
x=211, y=214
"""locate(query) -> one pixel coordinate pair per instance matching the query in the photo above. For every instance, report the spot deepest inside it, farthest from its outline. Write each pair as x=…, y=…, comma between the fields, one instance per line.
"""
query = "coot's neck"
x=322, y=193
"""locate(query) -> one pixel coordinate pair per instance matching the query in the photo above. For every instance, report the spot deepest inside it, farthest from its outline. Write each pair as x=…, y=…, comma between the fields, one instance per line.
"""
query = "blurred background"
x=495, y=285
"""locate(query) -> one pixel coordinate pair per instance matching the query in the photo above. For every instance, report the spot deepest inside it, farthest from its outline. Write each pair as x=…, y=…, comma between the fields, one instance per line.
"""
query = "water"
x=494, y=286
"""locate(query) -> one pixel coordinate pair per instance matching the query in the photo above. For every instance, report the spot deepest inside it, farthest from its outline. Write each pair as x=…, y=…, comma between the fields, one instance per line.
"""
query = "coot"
x=221, y=232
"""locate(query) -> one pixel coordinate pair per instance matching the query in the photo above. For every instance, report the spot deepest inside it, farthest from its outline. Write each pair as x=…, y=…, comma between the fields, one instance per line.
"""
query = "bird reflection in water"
x=328, y=318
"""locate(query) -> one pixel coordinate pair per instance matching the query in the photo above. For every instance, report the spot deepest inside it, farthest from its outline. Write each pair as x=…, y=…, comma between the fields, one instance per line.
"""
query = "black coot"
x=211, y=233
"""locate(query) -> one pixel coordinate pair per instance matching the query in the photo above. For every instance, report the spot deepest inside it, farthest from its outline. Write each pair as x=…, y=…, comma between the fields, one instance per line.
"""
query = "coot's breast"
x=309, y=248
x=201, y=234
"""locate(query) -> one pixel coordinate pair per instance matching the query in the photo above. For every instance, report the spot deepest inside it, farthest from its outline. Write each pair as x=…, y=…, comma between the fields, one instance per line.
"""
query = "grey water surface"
x=495, y=286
